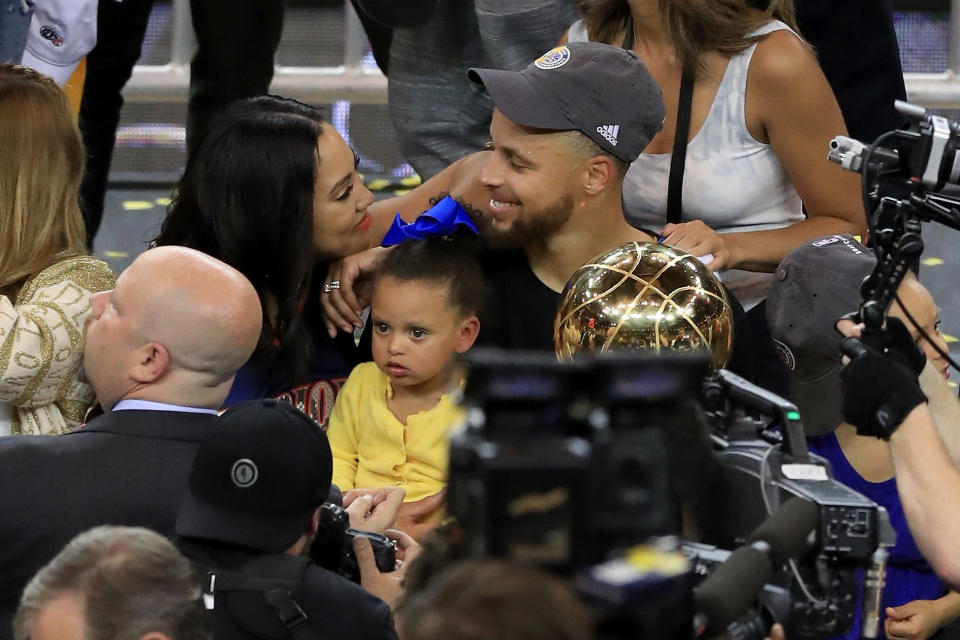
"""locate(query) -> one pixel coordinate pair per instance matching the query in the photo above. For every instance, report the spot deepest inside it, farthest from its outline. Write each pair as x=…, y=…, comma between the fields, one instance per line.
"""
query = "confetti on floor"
x=137, y=205
x=931, y=262
x=116, y=254
x=948, y=338
x=163, y=202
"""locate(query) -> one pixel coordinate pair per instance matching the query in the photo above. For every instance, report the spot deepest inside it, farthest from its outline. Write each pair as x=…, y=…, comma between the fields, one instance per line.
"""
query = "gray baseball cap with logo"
x=603, y=91
x=814, y=285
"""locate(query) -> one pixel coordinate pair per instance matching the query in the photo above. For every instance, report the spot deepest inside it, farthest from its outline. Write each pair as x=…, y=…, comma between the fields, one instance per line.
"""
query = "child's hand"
x=917, y=620
x=373, y=510
x=412, y=517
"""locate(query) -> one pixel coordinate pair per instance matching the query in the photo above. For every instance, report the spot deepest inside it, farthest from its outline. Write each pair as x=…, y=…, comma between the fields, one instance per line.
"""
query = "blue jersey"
x=909, y=577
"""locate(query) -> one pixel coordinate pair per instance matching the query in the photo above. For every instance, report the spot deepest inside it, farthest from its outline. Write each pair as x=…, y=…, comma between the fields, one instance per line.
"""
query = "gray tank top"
x=731, y=181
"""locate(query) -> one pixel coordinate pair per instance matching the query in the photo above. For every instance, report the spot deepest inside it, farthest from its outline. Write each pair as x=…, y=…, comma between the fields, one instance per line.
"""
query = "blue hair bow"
x=442, y=219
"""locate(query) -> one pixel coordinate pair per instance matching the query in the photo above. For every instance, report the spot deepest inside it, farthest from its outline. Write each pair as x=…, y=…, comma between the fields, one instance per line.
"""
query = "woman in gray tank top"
x=761, y=117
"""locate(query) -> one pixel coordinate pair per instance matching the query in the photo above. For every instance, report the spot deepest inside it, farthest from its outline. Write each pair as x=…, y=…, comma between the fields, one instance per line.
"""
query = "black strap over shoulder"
x=679, y=156
x=290, y=613
x=279, y=577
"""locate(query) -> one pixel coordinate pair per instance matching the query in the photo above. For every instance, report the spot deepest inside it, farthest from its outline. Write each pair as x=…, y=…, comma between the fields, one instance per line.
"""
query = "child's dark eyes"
x=417, y=332
x=381, y=327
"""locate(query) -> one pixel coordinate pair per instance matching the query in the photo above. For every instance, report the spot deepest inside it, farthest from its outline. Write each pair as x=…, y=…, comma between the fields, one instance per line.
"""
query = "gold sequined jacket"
x=41, y=344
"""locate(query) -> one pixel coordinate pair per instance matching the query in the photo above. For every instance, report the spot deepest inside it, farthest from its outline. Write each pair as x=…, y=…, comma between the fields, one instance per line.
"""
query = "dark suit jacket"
x=124, y=468
x=857, y=48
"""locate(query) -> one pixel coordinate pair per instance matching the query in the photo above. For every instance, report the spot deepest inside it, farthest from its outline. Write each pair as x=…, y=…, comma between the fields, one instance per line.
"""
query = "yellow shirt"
x=371, y=448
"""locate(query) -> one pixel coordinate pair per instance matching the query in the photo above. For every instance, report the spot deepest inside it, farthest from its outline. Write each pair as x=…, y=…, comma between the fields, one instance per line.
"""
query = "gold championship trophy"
x=644, y=295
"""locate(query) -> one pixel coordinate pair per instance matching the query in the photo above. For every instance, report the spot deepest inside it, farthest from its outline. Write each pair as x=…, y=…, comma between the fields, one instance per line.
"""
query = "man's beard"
x=528, y=227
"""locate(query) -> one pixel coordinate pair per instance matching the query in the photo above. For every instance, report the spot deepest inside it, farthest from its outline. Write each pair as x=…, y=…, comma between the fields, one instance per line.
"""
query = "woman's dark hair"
x=246, y=198
x=448, y=260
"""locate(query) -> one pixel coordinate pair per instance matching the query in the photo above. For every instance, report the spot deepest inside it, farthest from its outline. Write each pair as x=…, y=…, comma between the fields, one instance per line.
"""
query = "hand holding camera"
x=880, y=388
x=385, y=584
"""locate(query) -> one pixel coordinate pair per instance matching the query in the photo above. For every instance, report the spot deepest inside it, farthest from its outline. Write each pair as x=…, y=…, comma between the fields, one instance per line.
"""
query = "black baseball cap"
x=603, y=91
x=814, y=285
x=257, y=478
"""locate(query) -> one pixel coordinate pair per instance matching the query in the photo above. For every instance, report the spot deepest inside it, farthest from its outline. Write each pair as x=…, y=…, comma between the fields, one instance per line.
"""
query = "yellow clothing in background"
x=371, y=448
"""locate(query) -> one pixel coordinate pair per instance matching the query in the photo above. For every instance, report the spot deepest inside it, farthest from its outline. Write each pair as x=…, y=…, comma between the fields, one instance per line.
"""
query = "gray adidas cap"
x=603, y=91
x=814, y=285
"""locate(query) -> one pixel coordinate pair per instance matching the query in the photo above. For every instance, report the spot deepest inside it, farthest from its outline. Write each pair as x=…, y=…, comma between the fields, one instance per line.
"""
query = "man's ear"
x=151, y=362
x=599, y=174
x=469, y=330
x=314, y=524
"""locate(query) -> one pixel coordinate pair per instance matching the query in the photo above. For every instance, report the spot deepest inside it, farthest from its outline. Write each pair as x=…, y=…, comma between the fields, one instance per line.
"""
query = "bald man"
x=174, y=330
x=162, y=349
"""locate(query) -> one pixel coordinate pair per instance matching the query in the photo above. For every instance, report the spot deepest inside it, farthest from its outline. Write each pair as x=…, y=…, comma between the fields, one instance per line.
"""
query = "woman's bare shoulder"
x=780, y=57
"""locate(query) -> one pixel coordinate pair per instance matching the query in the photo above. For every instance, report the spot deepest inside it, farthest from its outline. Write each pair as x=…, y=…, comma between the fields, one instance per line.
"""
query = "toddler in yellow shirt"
x=391, y=422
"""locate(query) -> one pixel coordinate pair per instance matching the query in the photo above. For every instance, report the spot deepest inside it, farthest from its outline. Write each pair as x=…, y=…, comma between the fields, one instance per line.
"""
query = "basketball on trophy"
x=644, y=296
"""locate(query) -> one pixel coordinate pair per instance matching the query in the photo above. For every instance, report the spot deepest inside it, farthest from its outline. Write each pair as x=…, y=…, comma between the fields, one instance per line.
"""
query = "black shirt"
x=520, y=310
x=335, y=607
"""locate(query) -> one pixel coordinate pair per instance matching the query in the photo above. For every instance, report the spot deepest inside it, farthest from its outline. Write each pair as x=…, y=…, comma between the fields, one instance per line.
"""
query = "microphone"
x=873, y=582
x=787, y=530
x=734, y=585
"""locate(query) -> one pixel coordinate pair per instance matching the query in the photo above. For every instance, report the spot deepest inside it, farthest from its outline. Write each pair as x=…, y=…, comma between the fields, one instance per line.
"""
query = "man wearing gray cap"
x=564, y=132
x=546, y=195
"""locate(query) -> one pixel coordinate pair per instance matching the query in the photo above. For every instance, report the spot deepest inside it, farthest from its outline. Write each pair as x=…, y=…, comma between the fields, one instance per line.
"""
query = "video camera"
x=902, y=171
x=332, y=548
x=763, y=462
x=561, y=462
x=572, y=467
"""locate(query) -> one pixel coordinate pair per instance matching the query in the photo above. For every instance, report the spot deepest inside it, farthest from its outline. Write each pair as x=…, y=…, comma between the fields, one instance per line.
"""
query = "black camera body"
x=570, y=466
x=563, y=463
x=384, y=552
x=762, y=460
x=332, y=548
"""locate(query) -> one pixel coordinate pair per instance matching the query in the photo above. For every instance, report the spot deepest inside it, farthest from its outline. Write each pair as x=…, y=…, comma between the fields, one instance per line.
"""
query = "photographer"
x=249, y=517
x=882, y=397
x=823, y=277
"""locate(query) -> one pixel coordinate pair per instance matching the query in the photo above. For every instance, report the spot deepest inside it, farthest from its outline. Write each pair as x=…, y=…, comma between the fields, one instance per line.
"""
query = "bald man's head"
x=175, y=329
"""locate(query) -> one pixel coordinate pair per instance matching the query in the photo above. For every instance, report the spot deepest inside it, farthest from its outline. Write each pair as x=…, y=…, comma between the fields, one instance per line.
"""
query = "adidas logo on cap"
x=609, y=131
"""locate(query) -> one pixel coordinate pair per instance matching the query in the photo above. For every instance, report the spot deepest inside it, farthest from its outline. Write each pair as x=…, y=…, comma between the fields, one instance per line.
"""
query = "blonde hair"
x=41, y=165
x=694, y=26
